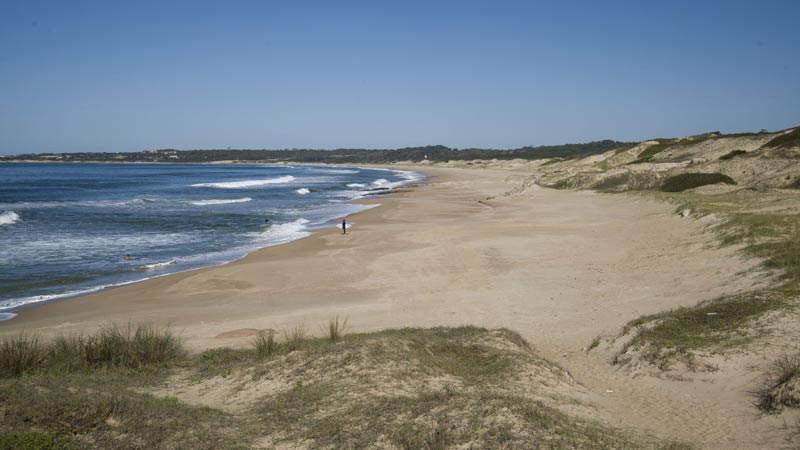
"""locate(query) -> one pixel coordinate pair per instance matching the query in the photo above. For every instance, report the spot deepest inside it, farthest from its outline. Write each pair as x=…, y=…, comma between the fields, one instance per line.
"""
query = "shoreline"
x=47, y=310
x=11, y=313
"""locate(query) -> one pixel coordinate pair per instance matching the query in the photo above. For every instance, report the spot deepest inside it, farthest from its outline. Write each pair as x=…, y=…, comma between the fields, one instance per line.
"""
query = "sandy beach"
x=468, y=247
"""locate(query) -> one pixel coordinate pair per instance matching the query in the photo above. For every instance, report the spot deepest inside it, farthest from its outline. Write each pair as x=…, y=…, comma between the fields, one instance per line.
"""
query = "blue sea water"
x=65, y=228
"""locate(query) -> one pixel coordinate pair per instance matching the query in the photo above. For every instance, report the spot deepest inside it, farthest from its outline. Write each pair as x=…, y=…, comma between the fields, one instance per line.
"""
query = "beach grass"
x=336, y=328
x=129, y=346
x=265, y=344
x=762, y=226
x=400, y=388
x=686, y=181
x=781, y=385
x=715, y=325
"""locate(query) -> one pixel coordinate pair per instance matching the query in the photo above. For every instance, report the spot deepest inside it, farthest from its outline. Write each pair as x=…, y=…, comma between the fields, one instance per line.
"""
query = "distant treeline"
x=433, y=153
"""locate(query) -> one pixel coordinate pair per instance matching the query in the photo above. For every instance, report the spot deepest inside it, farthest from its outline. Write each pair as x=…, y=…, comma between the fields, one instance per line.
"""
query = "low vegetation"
x=763, y=225
x=781, y=387
x=408, y=388
x=732, y=154
x=787, y=140
x=667, y=337
x=654, y=149
x=685, y=181
x=127, y=346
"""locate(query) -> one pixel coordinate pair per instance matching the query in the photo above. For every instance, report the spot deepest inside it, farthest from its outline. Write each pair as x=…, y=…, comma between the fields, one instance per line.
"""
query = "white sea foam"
x=139, y=201
x=339, y=171
x=357, y=185
x=17, y=302
x=303, y=191
x=158, y=265
x=221, y=201
x=8, y=218
x=246, y=183
x=381, y=182
x=285, y=232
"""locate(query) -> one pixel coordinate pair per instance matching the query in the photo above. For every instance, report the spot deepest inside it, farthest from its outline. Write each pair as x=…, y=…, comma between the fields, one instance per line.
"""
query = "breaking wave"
x=8, y=218
x=220, y=201
x=246, y=183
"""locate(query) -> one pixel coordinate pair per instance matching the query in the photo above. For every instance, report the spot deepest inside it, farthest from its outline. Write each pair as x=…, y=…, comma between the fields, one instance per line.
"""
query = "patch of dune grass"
x=732, y=154
x=16, y=440
x=103, y=413
x=434, y=419
x=764, y=226
x=653, y=150
x=22, y=354
x=684, y=181
x=131, y=346
x=713, y=325
x=788, y=140
x=106, y=405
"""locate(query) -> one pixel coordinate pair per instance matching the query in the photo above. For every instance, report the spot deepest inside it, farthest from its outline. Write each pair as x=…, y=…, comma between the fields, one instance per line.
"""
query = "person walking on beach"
x=344, y=227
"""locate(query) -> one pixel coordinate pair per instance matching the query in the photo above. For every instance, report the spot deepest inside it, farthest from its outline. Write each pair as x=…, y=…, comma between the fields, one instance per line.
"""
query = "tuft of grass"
x=595, y=343
x=294, y=339
x=131, y=346
x=684, y=181
x=781, y=387
x=22, y=354
x=265, y=344
x=336, y=328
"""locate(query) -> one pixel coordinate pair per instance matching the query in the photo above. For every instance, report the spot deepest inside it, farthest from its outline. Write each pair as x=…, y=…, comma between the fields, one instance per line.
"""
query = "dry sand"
x=469, y=248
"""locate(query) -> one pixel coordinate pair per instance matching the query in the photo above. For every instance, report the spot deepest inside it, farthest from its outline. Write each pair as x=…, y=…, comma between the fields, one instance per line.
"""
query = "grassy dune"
x=136, y=387
x=763, y=225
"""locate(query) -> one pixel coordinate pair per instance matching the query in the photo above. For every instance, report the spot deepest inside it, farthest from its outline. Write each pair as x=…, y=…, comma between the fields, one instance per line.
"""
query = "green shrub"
x=684, y=181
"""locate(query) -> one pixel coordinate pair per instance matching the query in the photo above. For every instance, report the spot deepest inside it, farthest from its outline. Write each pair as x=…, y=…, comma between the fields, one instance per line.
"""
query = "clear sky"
x=125, y=76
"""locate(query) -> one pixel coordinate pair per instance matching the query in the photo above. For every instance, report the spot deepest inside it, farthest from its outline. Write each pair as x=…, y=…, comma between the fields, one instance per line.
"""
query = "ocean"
x=65, y=229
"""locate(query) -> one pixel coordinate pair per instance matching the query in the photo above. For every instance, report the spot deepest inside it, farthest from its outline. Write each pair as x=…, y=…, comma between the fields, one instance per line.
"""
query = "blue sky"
x=125, y=76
